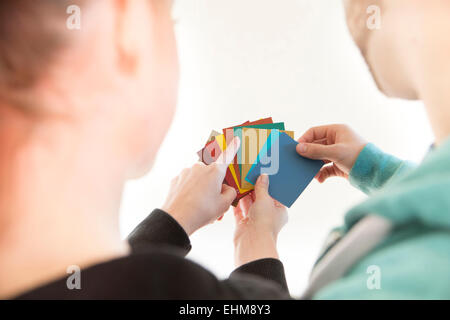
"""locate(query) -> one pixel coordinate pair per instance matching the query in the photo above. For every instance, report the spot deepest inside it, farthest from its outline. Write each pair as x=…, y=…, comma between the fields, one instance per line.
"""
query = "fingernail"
x=264, y=179
x=301, y=147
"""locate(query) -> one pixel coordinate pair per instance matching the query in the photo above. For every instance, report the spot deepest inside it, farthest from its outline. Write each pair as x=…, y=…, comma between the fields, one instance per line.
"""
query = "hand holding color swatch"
x=266, y=148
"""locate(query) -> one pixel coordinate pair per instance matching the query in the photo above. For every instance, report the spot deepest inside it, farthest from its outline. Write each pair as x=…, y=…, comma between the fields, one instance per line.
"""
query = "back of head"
x=115, y=74
x=31, y=33
x=397, y=39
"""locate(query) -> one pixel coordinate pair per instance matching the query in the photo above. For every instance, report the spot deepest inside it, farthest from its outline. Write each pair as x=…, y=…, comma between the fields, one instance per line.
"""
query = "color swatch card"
x=289, y=173
x=252, y=142
x=266, y=147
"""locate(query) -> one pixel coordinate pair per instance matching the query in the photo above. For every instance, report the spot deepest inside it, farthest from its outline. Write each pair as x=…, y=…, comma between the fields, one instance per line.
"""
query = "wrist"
x=181, y=219
x=255, y=235
x=253, y=246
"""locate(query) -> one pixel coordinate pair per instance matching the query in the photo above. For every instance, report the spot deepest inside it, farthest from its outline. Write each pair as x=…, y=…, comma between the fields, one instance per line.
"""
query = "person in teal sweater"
x=412, y=259
x=396, y=244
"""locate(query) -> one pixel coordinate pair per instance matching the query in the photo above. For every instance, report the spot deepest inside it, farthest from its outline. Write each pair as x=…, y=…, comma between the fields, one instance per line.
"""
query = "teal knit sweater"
x=414, y=261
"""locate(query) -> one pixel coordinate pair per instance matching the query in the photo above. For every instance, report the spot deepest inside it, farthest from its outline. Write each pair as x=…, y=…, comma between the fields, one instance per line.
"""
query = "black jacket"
x=157, y=269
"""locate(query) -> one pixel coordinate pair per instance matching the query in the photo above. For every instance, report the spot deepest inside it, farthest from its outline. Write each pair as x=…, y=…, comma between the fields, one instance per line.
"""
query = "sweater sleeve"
x=159, y=228
x=374, y=168
x=268, y=269
x=268, y=275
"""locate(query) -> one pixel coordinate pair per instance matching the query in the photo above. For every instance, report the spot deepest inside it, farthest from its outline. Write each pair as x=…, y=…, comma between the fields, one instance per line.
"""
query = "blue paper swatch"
x=289, y=173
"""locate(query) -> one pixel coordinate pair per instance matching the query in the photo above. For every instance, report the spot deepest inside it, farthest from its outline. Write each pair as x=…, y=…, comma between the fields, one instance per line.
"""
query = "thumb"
x=318, y=151
x=262, y=187
x=228, y=195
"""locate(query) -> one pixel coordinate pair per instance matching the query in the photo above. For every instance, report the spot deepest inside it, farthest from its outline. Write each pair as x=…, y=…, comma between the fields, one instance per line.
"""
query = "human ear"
x=129, y=26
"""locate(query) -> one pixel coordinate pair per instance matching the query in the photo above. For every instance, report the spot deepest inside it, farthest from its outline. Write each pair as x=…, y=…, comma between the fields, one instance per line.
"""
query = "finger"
x=318, y=151
x=228, y=195
x=174, y=181
x=314, y=134
x=278, y=204
x=245, y=204
x=238, y=214
x=317, y=175
x=226, y=157
x=262, y=187
x=324, y=174
x=329, y=172
x=184, y=173
x=321, y=141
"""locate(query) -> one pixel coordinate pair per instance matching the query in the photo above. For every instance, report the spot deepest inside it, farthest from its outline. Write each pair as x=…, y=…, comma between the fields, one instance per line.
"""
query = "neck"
x=435, y=94
x=430, y=67
x=59, y=205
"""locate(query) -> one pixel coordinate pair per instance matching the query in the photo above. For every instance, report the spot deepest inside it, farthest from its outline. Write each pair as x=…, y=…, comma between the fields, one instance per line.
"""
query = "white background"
x=293, y=60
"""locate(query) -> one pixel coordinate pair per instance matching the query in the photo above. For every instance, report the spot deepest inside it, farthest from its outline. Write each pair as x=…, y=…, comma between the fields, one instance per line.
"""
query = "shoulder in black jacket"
x=157, y=269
